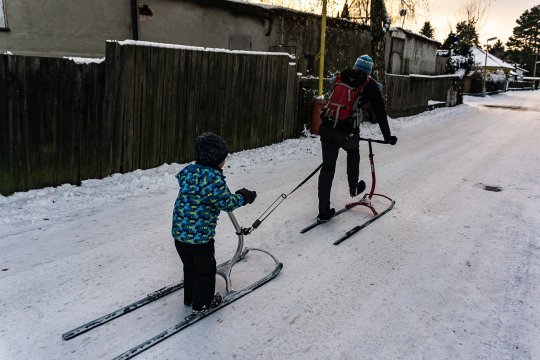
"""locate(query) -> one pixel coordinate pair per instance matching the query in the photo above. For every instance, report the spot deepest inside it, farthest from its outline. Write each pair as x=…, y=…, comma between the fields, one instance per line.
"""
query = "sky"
x=499, y=20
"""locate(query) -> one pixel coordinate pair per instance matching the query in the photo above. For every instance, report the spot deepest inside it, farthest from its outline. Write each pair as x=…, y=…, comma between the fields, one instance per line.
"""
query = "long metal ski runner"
x=193, y=318
x=134, y=306
x=317, y=223
x=356, y=229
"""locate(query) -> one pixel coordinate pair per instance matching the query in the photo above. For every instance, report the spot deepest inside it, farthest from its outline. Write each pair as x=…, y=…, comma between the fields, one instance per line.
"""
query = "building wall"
x=408, y=53
x=59, y=28
x=190, y=23
x=187, y=23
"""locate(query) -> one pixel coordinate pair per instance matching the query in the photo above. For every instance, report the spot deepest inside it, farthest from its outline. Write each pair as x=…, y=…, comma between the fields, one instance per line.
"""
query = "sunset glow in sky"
x=499, y=20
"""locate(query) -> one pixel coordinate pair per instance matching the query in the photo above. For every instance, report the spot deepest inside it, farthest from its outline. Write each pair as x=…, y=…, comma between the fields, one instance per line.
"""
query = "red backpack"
x=342, y=103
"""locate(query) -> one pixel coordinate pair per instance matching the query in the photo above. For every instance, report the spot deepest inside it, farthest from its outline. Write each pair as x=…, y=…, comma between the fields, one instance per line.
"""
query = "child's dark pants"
x=199, y=272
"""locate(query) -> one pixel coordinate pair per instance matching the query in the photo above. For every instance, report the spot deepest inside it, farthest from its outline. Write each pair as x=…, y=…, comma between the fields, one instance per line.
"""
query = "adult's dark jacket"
x=371, y=94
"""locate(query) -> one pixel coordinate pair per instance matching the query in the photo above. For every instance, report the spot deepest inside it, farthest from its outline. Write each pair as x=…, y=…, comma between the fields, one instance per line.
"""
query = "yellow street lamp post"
x=534, y=71
x=485, y=65
x=322, y=48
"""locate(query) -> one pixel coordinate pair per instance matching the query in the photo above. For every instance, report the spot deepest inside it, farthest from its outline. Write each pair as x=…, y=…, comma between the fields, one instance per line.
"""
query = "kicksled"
x=231, y=295
x=365, y=201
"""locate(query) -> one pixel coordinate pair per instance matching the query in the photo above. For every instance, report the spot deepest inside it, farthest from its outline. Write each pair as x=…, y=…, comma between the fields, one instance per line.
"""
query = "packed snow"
x=452, y=272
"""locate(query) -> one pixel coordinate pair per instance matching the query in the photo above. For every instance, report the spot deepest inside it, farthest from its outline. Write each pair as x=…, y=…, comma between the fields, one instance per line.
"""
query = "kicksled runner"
x=365, y=201
x=231, y=295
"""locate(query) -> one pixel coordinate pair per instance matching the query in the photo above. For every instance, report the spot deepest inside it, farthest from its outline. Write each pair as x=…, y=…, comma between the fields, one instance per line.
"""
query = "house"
x=489, y=67
x=408, y=52
x=517, y=74
x=66, y=28
x=63, y=27
x=491, y=62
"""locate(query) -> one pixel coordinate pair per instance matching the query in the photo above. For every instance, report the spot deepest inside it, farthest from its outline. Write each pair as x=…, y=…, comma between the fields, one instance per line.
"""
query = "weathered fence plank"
x=63, y=122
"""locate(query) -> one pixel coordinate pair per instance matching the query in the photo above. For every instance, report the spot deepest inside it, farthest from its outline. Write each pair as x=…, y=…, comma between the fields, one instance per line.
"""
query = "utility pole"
x=534, y=71
x=380, y=23
x=485, y=66
x=322, y=47
x=535, y=58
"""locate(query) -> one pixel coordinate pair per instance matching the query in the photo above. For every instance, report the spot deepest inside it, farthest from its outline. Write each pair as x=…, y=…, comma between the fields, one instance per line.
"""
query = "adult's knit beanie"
x=364, y=63
x=210, y=149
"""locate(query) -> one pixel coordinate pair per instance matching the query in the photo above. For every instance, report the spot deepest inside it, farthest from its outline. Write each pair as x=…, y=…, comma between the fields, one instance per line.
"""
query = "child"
x=202, y=195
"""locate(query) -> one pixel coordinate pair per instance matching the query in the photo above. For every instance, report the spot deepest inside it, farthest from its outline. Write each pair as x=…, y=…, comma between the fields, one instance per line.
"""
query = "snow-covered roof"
x=410, y=32
x=492, y=61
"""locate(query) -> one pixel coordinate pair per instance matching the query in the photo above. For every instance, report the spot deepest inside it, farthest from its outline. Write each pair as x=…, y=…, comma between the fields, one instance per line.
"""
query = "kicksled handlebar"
x=279, y=200
x=375, y=141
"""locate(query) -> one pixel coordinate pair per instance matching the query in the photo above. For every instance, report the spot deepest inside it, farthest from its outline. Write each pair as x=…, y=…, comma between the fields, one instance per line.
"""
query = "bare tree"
x=473, y=12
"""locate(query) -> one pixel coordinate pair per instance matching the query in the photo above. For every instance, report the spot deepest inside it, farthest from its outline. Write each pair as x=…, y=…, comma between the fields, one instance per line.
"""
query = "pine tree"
x=461, y=56
x=427, y=30
x=498, y=49
x=467, y=33
x=524, y=44
x=449, y=42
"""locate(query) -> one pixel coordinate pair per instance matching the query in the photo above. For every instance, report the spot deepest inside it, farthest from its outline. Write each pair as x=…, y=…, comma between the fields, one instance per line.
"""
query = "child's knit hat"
x=364, y=63
x=210, y=149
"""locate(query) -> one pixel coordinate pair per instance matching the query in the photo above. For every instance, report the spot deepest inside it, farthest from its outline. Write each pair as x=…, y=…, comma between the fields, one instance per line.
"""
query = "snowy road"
x=452, y=272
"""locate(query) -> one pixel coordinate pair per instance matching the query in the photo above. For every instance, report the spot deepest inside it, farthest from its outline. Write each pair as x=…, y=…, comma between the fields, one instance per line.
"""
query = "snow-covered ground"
x=452, y=272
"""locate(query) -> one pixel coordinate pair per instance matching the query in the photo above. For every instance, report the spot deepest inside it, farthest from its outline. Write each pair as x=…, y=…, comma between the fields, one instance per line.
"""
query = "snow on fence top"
x=82, y=60
x=435, y=76
x=427, y=76
x=199, y=48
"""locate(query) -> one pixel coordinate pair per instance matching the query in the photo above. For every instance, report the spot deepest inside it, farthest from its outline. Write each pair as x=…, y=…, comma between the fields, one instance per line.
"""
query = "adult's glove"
x=249, y=196
x=392, y=140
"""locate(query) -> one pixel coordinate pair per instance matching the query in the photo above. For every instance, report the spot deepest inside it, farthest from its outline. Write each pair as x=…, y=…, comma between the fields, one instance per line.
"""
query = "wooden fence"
x=62, y=122
x=50, y=122
x=406, y=94
x=409, y=95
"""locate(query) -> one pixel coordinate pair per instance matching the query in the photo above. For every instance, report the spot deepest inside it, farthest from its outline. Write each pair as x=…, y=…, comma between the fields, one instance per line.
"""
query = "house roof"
x=492, y=61
x=415, y=34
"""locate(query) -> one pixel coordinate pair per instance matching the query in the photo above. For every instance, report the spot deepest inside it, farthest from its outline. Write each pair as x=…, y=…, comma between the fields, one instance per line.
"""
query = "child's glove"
x=249, y=196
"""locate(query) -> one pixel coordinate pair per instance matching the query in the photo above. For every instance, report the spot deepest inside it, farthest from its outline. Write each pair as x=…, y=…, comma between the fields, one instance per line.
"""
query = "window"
x=3, y=17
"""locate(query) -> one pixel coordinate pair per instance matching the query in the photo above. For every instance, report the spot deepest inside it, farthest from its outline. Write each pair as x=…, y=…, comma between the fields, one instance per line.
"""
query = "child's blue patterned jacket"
x=202, y=195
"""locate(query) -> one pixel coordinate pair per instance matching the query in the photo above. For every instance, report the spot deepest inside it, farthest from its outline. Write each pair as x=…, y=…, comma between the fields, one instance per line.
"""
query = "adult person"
x=340, y=128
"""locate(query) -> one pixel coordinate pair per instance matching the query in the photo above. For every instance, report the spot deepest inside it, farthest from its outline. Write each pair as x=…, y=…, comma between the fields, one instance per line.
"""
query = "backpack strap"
x=358, y=115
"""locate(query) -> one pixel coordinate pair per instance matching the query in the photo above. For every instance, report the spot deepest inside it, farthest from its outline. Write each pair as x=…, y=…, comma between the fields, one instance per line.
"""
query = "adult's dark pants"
x=331, y=141
x=199, y=272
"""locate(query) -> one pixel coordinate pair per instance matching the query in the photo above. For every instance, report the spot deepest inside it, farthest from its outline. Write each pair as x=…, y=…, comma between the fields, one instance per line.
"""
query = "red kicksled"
x=365, y=201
